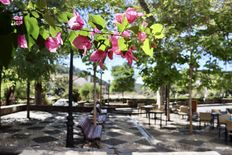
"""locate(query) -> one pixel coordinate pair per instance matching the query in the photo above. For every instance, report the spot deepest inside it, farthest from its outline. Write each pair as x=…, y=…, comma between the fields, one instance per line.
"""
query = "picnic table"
x=160, y=112
x=148, y=108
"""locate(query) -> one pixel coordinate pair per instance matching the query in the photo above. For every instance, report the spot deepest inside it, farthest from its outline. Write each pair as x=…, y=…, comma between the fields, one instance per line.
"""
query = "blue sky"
x=109, y=64
x=119, y=61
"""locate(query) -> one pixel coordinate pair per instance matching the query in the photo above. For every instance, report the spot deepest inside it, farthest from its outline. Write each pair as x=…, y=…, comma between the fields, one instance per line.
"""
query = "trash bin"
x=194, y=106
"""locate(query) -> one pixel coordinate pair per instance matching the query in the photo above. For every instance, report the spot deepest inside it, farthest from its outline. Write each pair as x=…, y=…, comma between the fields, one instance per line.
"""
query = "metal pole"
x=94, y=95
x=109, y=93
x=101, y=87
x=28, y=99
x=69, y=139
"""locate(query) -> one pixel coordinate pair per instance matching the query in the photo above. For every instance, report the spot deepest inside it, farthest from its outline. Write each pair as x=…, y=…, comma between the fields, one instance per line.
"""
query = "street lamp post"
x=70, y=123
x=101, y=72
x=109, y=93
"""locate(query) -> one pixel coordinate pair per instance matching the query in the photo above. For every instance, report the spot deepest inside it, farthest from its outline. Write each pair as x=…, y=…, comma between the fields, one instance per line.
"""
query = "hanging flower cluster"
x=126, y=38
x=5, y=2
x=53, y=43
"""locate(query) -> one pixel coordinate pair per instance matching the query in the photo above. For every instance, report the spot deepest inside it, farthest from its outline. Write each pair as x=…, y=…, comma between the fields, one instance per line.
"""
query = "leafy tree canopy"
x=123, y=78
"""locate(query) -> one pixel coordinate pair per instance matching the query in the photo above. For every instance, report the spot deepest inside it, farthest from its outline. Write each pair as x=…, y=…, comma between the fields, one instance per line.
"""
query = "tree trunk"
x=28, y=99
x=38, y=93
x=167, y=102
x=145, y=7
x=9, y=94
x=190, y=95
x=160, y=96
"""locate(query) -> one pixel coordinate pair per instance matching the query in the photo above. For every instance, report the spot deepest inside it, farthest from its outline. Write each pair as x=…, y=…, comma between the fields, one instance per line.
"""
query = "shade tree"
x=194, y=28
x=123, y=79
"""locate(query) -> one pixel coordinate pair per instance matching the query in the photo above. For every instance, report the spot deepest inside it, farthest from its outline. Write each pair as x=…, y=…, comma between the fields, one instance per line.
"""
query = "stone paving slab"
x=46, y=152
x=177, y=153
x=122, y=135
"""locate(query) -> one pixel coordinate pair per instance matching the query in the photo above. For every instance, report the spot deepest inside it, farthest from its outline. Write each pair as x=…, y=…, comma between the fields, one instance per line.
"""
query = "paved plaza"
x=122, y=135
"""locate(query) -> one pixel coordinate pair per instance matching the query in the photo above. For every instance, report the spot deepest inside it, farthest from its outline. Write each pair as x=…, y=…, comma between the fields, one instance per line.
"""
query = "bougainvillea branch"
x=37, y=26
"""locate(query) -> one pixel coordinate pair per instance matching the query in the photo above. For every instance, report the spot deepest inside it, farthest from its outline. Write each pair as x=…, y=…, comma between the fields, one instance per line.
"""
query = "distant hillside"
x=138, y=88
x=61, y=69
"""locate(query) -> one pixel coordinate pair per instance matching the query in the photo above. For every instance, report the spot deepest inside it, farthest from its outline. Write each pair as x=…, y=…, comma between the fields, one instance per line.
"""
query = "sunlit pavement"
x=122, y=135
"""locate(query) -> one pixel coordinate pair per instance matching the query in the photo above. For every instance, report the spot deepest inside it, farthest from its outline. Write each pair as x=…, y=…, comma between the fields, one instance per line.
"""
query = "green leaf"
x=35, y=14
x=158, y=30
x=72, y=36
x=84, y=32
x=54, y=30
x=135, y=29
x=44, y=33
x=99, y=37
x=30, y=5
x=107, y=42
x=122, y=45
x=123, y=26
x=146, y=47
x=49, y=19
x=69, y=14
x=96, y=21
x=32, y=28
x=41, y=4
x=102, y=47
x=63, y=17
x=147, y=31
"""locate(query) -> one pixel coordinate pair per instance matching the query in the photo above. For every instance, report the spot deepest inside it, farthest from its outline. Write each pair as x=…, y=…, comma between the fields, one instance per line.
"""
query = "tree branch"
x=145, y=7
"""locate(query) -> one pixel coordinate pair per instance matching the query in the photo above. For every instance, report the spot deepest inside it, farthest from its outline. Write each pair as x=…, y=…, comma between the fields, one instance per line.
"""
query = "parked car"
x=63, y=102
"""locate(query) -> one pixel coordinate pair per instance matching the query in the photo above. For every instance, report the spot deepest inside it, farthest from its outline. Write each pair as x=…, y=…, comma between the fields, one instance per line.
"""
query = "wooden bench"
x=102, y=115
x=91, y=132
x=101, y=118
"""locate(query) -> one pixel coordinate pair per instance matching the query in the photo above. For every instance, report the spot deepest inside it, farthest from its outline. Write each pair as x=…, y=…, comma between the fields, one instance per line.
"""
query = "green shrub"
x=86, y=91
x=20, y=91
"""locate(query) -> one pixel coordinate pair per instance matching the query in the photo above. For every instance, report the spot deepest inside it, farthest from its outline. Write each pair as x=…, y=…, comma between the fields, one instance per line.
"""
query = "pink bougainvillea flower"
x=98, y=56
x=129, y=56
x=22, y=42
x=126, y=34
x=119, y=17
x=5, y=2
x=144, y=24
x=82, y=43
x=18, y=20
x=76, y=23
x=53, y=43
x=132, y=15
x=114, y=42
x=110, y=54
x=142, y=36
x=95, y=30
x=133, y=47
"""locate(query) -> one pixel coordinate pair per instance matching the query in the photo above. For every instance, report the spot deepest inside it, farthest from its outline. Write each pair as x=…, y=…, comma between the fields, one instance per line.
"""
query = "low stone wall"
x=134, y=102
x=12, y=109
x=22, y=107
x=60, y=108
